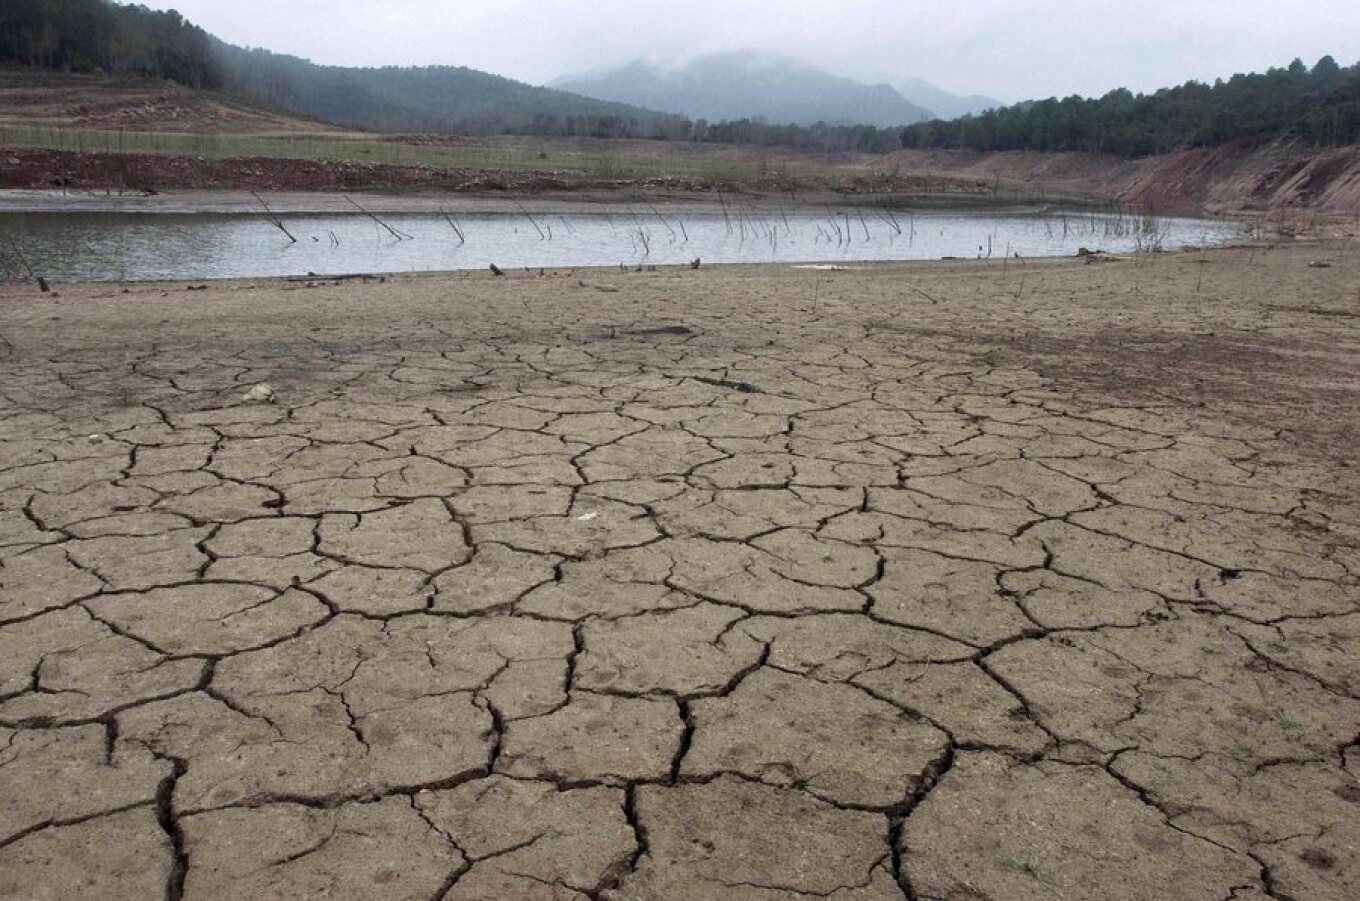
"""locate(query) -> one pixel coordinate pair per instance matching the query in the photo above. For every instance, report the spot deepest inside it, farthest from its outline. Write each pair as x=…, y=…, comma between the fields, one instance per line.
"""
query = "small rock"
x=260, y=394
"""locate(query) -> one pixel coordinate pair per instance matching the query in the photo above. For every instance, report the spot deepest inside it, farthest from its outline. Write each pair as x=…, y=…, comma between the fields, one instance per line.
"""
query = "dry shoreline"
x=323, y=202
x=24, y=168
x=944, y=579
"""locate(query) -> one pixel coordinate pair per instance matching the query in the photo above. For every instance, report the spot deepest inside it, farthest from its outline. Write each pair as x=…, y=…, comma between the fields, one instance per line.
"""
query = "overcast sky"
x=1009, y=49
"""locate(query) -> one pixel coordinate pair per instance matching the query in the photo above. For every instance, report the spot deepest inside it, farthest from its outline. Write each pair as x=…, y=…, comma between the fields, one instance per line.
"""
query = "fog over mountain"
x=748, y=85
x=1010, y=49
x=942, y=103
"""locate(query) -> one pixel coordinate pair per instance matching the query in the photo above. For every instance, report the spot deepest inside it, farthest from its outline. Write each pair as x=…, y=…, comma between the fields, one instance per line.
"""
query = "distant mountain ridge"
x=941, y=102
x=746, y=85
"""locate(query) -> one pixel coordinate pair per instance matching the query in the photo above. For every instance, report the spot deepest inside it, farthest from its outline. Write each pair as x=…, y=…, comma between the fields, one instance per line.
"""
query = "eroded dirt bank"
x=1216, y=180
x=22, y=168
x=948, y=581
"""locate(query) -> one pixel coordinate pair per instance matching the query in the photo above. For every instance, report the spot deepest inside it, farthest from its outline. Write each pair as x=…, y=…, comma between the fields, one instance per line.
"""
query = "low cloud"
x=1012, y=49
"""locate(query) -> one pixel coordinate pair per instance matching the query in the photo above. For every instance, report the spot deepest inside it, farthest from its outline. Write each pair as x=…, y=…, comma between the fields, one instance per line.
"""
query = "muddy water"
x=180, y=245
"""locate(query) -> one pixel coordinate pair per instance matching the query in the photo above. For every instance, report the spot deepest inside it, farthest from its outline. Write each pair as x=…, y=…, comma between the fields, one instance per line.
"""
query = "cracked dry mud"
x=945, y=581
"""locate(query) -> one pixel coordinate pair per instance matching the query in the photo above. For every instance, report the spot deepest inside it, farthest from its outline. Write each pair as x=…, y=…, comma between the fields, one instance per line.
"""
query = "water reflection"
x=142, y=246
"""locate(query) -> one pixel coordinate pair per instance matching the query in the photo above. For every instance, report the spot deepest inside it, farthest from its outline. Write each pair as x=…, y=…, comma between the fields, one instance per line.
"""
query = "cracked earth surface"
x=936, y=581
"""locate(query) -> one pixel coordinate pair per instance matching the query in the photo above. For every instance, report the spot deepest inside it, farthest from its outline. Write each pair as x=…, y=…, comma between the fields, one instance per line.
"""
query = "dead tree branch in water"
x=726, y=218
x=462, y=239
x=657, y=213
x=887, y=213
x=541, y=236
x=269, y=214
x=400, y=236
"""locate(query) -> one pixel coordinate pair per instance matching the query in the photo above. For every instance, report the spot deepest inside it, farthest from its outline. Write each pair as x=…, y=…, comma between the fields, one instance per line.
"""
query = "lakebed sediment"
x=937, y=580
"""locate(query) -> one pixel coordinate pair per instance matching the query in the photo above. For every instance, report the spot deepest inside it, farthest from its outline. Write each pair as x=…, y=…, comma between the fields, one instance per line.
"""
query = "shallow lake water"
x=148, y=246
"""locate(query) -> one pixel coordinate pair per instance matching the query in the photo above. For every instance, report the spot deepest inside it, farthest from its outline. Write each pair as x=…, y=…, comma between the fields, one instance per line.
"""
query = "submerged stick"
x=892, y=220
x=454, y=225
x=726, y=218
x=657, y=214
x=269, y=214
x=400, y=236
x=541, y=236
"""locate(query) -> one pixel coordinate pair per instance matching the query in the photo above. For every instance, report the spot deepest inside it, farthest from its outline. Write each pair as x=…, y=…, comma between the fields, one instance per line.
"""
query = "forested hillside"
x=1320, y=106
x=100, y=36
x=426, y=99
x=97, y=36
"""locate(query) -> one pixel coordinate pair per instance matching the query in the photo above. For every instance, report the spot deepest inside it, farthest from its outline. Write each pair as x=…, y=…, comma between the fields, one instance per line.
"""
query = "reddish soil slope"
x=1216, y=180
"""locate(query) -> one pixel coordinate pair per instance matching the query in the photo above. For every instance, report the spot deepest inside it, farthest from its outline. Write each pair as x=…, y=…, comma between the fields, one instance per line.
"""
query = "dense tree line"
x=426, y=99
x=1319, y=105
x=97, y=36
x=821, y=137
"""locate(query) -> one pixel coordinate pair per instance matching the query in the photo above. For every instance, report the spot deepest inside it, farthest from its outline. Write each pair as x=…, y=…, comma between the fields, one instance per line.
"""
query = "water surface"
x=148, y=246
